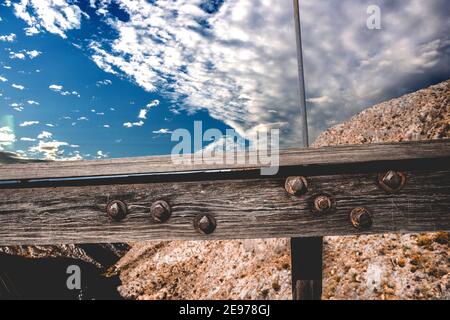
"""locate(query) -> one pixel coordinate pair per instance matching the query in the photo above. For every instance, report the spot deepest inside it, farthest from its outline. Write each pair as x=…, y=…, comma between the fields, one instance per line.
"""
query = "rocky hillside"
x=369, y=267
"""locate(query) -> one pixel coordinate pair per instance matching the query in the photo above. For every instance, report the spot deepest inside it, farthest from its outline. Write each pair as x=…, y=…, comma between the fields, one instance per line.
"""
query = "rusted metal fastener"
x=117, y=210
x=296, y=186
x=361, y=218
x=160, y=211
x=205, y=223
x=392, y=181
x=323, y=204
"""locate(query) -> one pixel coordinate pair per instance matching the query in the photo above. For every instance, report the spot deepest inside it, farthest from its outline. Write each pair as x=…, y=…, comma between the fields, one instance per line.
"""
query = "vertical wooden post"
x=306, y=261
x=306, y=253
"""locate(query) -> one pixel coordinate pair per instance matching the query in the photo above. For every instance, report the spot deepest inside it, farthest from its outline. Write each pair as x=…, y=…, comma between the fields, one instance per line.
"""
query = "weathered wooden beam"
x=253, y=208
x=309, y=161
x=243, y=203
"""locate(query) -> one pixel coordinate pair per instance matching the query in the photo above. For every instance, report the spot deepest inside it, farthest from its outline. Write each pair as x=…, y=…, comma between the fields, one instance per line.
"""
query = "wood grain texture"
x=242, y=208
x=303, y=159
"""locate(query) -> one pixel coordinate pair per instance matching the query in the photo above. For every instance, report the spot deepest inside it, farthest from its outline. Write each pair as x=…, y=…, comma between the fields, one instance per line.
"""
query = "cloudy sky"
x=113, y=78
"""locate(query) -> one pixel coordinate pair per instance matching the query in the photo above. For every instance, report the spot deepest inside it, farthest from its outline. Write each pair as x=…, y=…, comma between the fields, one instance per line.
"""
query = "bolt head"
x=296, y=186
x=392, y=181
x=361, y=218
x=117, y=210
x=322, y=204
x=205, y=223
x=160, y=211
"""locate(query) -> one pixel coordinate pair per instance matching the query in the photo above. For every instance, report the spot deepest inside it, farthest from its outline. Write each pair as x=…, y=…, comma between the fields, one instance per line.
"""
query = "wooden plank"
x=242, y=208
x=308, y=159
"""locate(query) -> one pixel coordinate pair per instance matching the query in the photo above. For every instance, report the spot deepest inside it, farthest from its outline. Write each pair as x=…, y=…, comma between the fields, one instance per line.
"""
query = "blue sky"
x=112, y=78
x=87, y=115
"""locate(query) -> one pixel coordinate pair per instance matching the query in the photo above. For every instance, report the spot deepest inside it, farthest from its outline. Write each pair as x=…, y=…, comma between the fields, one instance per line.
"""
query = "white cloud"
x=17, y=86
x=32, y=102
x=31, y=31
x=54, y=16
x=3, y=79
x=162, y=131
x=246, y=63
x=356, y=67
x=242, y=65
x=8, y=38
x=320, y=100
x=7, y=137
x=101, y=155
x=59, y=89
x=153, y=103
x=224, y=144
x=28, y=123
x=68, y=93
x=83, y=119
x=33, y=54
x=133, y=124
x=17, y=55
x=45, y=135
x=50, y=149
x=106, y=126
x=143, y=112
x=27, y=139
x=75, y=156
x=105, y=82
x=55, y=87
x=51, y=125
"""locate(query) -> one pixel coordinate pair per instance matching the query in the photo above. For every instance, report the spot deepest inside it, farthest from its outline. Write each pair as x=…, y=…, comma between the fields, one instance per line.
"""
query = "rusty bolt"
x=296, y=186
x=361, y=218
x=117, y=210
x=322, y=204
x=160, y=211
x=205, y=223
x=392, y=181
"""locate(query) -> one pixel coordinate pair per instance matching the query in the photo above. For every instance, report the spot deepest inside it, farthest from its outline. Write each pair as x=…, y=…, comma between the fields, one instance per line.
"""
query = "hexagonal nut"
x=205, y=223
x=361, y=218
x=296, y=186
x=117, y=210
x=323, y=204
x=392, y=181
x=160, y=211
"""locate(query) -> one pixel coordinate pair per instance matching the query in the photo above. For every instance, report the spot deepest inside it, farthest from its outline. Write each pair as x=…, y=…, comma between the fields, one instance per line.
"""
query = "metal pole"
x=301, y=76
x=306, y=253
